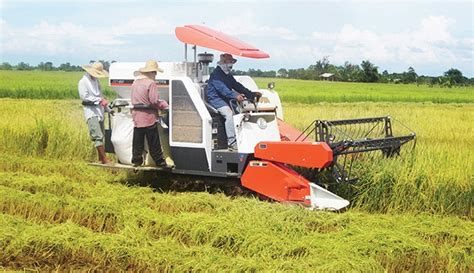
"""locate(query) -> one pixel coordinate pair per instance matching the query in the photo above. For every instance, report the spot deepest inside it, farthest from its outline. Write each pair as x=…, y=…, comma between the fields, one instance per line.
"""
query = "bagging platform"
x=118, y=166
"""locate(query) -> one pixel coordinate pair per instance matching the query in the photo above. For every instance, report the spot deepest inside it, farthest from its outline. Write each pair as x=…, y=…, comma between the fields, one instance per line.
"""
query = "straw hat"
x=96, y=70
x=138, y=75
x=226, y=58
x=150, y=66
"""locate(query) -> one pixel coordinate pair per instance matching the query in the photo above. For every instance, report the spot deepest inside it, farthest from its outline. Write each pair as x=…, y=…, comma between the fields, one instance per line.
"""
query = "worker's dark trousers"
x=154, y=145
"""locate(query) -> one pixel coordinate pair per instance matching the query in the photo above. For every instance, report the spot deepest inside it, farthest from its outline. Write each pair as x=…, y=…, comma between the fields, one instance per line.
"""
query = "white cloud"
x=430, y=42
x=67, y=37
x=141, y=26
x=434, y=29
x=245, y=24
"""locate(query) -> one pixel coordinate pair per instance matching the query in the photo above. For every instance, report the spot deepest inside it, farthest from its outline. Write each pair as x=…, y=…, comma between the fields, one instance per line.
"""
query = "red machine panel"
x=276, y=181
x=303, y=154
x=290, y=133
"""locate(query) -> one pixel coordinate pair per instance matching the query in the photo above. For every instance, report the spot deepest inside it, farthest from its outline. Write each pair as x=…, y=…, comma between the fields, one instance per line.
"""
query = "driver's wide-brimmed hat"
x=150, y=66
x=96, y=70
x=226, y=58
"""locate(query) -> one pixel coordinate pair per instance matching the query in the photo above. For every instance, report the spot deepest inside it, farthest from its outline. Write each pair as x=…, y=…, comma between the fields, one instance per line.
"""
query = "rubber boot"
x=102, y=157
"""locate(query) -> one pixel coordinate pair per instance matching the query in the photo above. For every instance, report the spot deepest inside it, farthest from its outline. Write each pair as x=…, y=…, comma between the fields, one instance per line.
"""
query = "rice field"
x=63, y=85
x=441, y=167
x=42, y=85
x=309, y=92
x=57, y=213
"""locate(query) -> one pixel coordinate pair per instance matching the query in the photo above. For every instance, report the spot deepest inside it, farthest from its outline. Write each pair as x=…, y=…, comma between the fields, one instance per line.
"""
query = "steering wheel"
x=237, y=106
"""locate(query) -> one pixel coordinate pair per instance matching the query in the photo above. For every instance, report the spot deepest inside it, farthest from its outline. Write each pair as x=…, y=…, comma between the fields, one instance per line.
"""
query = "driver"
x=221, y=88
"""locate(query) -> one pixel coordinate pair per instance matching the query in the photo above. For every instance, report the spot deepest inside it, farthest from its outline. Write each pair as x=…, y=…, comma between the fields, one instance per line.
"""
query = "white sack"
x=122, y=137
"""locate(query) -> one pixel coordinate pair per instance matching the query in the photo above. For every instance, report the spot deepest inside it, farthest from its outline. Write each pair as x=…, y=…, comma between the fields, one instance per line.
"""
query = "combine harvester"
x=273, y=159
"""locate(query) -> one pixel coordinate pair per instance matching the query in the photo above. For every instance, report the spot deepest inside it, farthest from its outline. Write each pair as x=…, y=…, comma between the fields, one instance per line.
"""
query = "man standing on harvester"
x=146, y=104
x=94, y=103
x=223, y=87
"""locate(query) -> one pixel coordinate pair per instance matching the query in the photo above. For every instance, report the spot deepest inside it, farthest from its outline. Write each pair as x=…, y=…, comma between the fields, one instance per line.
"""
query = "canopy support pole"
x=186, y=59
x=195, y=60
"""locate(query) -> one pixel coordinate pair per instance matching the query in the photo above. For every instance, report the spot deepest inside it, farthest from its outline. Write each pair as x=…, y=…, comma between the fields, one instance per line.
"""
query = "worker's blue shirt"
x=220, y=89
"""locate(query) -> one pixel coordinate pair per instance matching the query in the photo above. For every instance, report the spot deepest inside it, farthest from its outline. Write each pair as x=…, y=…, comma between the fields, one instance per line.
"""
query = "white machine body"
x=257, y=122
x=193, y=136
x=254, y=128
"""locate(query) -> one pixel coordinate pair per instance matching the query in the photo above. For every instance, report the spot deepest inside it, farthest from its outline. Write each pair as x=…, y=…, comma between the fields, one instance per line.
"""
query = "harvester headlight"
x=262, y=123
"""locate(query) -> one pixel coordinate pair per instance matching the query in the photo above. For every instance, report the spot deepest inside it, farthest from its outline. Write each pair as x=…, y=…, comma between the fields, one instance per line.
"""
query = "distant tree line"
x=321, y=70
x=49, y=66
x=365, y=72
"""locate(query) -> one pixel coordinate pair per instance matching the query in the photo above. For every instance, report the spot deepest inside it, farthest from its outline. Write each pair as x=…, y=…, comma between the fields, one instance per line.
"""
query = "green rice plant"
x=59, y=220
x=63, y=85
x=258, y=236
x=437, y=176
x=311, y=92
x=40, y=206
x=43, y=85
x=57, y=213
x=44, y=128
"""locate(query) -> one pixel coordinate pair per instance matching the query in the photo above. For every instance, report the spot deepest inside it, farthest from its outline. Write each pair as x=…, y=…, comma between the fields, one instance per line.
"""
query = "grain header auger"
x=273, y=159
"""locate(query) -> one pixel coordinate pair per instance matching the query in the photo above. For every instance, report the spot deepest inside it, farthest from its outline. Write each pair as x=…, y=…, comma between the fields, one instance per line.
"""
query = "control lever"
x=255, y=102
x=109, y=108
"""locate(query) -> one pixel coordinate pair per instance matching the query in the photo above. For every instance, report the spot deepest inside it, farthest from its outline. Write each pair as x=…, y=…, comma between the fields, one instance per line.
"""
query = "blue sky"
x=431, y=36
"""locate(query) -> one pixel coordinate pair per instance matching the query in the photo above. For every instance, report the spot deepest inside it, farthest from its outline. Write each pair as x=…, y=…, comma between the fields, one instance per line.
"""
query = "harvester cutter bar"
x=354, y=121
x=367, y=145
x=376, y=135
x=349, y=139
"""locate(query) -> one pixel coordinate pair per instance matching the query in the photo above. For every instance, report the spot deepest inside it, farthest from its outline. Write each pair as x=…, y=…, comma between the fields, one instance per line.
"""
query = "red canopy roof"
x=209, y=38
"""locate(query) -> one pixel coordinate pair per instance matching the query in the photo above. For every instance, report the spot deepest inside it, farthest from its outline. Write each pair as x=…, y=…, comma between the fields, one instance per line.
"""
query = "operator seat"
x=213, y=111
x=219, y=135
